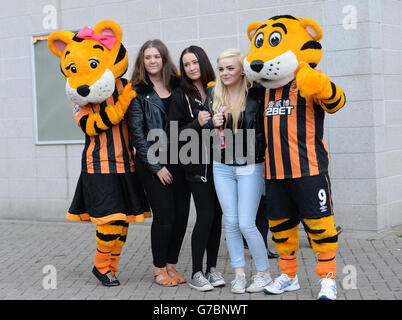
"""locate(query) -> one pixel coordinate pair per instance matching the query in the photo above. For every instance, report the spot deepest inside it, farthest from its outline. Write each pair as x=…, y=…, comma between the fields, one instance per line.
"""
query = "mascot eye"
x=72, y=67
x=93, y=63
x=275, y=38
x=259, y=40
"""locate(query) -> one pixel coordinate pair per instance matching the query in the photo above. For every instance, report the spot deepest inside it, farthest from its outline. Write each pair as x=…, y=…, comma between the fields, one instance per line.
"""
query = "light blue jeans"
x=239, y=190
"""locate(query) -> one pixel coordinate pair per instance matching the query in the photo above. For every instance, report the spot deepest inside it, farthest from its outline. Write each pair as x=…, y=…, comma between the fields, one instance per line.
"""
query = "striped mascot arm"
x=314, y=83
x=336, y=100
x=95, y=123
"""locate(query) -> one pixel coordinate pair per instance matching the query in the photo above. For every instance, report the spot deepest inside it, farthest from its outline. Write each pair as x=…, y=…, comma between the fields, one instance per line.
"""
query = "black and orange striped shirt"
x=110, y=150
x=294, y=129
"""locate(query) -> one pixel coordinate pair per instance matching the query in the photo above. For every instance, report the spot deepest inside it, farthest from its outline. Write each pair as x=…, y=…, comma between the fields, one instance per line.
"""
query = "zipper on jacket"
x=159, y=107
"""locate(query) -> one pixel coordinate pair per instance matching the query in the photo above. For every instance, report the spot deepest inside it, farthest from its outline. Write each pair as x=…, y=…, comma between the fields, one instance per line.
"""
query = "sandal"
x=176, y=276
x=166, y=280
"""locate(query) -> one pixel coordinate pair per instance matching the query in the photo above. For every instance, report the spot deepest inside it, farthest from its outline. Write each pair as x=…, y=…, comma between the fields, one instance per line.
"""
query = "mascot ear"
x=252, y=28
x=312, y=27
x=58, y=41
x=109, y=28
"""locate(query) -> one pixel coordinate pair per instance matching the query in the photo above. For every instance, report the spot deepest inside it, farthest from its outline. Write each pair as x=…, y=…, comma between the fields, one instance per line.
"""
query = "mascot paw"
x=128, y=92
x=312, y=82
x=126, y=96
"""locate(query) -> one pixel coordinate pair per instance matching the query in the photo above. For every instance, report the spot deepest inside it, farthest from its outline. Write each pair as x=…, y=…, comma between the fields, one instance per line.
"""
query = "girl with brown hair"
x=154, y=78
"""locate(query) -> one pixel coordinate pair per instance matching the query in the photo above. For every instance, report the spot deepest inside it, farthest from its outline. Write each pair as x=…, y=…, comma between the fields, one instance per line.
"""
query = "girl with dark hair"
x=154, y=78
x=190, y=113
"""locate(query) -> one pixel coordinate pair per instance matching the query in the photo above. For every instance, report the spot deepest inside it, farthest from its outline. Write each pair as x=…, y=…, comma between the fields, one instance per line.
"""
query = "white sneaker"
x=199, y=282
x=239, y=283
x=215, y=278
x=328, y=288
x=260, y=280
x=281, y=284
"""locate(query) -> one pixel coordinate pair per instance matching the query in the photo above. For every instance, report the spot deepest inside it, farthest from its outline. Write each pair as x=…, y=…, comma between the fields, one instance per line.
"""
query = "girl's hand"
x=203, y=118
x=165, y=176
x=217, y=119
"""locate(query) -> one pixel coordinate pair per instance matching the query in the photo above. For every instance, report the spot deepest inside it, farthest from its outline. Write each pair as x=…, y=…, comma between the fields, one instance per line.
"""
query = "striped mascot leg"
x=285, y=234
x=116, y=249
x=110, y=240
x=324, y=240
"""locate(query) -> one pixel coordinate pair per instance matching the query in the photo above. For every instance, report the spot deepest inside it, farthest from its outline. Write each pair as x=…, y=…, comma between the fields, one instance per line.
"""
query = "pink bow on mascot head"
x=106, y=40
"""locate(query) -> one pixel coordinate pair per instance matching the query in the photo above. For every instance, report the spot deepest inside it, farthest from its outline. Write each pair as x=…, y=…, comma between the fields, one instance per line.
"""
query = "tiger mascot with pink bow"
x=108, y=193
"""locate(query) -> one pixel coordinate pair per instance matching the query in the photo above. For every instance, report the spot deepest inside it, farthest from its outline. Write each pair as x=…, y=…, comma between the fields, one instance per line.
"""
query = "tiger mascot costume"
x=284, y=53
x=108, y=193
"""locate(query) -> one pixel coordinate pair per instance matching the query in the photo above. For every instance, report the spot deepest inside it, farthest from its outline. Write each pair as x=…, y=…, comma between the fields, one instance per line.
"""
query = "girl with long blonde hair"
x=236, y=100
x=238, y=107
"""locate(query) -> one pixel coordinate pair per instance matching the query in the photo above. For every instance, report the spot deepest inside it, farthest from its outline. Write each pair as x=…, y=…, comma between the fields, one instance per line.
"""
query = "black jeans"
x=261, y=220
x=207, y=230
x=170, y=207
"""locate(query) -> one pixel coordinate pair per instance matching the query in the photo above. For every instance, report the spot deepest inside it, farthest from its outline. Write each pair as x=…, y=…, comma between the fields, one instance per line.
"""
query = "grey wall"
x=365, y=59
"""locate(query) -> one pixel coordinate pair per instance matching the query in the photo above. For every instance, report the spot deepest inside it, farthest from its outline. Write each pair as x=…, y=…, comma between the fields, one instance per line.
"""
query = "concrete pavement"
x=53, y=261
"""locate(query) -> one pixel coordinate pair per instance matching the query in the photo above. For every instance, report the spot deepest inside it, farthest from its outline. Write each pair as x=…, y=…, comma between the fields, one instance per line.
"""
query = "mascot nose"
x=257, y=65
x=83, y=90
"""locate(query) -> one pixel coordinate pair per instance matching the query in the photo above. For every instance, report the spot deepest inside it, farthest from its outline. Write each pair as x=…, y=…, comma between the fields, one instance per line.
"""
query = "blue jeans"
x=239, y=190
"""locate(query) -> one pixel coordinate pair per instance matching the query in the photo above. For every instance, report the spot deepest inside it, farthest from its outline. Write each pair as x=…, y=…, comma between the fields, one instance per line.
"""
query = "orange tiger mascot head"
x=278, y=47
x=90, y=60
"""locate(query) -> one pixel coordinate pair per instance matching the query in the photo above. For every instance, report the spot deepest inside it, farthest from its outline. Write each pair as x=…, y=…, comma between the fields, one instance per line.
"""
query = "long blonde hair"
x=221, y=94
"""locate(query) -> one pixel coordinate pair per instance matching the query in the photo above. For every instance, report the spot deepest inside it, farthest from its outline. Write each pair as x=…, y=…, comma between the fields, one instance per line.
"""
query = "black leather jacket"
x=185, y=113
x=147, y=112
x=253, y=118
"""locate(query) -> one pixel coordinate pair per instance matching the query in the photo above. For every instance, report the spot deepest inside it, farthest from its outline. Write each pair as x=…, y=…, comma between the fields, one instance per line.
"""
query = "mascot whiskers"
x=108, y=193
x=284, y=53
